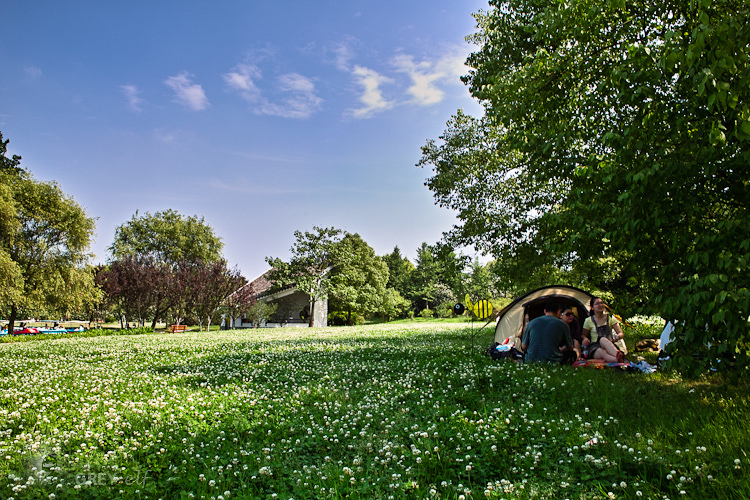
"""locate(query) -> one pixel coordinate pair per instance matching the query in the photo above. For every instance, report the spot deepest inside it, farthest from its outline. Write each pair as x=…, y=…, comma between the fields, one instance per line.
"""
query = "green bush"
x=444, y=310
x=427, y=313
x=336, y=318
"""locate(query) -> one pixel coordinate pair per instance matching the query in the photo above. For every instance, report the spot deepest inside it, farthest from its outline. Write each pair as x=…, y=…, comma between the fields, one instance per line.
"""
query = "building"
x=293, y=305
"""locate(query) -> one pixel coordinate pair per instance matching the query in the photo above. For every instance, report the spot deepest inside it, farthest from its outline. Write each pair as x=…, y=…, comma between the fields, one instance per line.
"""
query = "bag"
x=503, y=351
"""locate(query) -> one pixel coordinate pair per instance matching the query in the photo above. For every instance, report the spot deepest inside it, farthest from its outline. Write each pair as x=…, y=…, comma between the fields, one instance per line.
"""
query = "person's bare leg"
x=607, y=351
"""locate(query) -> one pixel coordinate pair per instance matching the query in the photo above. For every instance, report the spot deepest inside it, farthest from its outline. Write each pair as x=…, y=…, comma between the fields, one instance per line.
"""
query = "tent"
x=512, y=318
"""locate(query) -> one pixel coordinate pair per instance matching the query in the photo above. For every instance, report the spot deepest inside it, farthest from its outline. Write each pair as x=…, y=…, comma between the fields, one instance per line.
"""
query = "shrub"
x=444, y=310
x=427, y=313
x=337, y=318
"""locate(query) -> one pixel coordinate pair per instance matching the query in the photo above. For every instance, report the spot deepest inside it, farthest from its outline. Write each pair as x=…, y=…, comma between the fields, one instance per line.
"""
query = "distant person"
x=601, y=332
x=544, y=335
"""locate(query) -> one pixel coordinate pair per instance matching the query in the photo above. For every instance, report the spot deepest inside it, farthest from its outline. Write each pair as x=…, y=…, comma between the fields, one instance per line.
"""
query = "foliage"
x=8, y=165
x=238, y=303
x=167, y=237
x=207, y=286
x=260, y=312
x=314, y=255
x=358, y=280
x=44, y=240
x=393, y=305
x=399, y=271
x=444, y=310
x=427, y=313
x=326, y=264
x=437, y=268
x=341, y=318
x=614, y=130
x=173, y=247
x=394, y=410
x=129, y=284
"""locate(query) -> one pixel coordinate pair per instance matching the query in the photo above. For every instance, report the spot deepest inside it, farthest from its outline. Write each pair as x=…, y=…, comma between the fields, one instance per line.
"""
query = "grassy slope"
x=402, y=411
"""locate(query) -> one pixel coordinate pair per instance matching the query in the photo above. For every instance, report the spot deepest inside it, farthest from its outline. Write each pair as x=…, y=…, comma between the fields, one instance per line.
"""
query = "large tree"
x=44, y=241
x=167, y=237
x=399, y=269
x=359, y=278
x=616, y=129
x=314, y=255
x=169, y=241
x=211, y=284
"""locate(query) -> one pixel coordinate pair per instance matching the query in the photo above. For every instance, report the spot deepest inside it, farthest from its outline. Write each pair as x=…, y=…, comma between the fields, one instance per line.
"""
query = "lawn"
x=377, y=411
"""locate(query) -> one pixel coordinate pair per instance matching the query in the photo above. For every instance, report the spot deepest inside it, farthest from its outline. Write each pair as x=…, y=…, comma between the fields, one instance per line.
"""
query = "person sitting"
x=544, y=335
x=601, y=331
x=569, y=317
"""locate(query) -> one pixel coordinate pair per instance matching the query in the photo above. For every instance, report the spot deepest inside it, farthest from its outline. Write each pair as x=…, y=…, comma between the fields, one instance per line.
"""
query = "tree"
x=438, y=268
x=623, y=129
x=260, y=312
x=8, y=165
x=130, y=284
x=44, y=239
x=399, y=269
x=166, y=239
x=314, y=255
x=393, y=305
x=238, y=303
x=213, y=283
x=358, y=279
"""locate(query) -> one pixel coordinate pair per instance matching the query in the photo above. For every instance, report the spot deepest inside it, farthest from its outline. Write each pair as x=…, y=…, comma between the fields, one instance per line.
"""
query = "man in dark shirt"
x=544, y=336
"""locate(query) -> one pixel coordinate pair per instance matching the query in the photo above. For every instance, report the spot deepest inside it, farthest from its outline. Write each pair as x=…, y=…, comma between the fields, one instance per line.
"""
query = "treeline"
x=162, y=266
x=342, y=267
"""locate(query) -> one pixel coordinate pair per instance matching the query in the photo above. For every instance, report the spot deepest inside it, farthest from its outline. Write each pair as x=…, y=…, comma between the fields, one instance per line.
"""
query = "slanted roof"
x=262, y=286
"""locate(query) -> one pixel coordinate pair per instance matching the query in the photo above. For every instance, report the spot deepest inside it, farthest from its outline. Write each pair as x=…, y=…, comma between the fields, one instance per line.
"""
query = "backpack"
x=504, y=351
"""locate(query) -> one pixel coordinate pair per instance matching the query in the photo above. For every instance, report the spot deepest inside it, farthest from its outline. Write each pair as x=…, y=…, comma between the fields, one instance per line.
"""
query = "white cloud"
x=372, y=96
x=131, y=94
x=242, y=81
x=187, y=93
x=343, y=54
x=163, y=135
x=32, y=71
x=302, y=102
x=426, y=76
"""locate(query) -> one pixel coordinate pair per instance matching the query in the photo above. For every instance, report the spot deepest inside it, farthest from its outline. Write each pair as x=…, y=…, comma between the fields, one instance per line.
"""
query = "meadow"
x=377, y=411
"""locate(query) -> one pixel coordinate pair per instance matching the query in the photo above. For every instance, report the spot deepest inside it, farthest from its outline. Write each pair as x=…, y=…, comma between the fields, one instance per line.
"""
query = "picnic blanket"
x=640, y=366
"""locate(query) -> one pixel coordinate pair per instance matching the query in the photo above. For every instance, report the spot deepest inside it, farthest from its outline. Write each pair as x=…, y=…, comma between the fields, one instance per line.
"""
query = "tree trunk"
x=12, y=319
x=311, y=323
x=156, y=316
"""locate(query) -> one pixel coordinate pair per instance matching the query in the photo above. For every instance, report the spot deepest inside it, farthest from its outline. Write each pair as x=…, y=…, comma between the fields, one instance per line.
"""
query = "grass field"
x=379, y=411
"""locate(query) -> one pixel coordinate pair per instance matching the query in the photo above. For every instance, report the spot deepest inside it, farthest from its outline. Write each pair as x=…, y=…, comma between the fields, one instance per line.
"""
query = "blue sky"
x=263, y=117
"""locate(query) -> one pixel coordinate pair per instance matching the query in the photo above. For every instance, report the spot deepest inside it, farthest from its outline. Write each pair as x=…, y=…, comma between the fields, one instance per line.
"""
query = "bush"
x=341, y=318
x=427, y=313
x=336, y=318
x=444, y=310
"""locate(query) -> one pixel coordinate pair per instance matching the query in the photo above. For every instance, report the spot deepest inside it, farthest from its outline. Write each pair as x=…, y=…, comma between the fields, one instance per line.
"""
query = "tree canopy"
x=44, y=240
x=359, y=278
x=614, y=130
x=314, y=255
x=171, y=248
x=167, y=237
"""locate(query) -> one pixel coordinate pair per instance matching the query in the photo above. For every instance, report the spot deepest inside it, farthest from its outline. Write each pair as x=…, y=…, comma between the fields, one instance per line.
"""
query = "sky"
x=262, y=117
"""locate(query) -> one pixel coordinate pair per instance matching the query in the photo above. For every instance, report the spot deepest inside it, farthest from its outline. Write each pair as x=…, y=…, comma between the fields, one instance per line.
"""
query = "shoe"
x=620, y=357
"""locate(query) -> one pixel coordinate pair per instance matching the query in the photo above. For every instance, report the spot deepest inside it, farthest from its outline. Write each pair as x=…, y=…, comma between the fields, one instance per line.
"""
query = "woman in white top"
x=600, y=333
